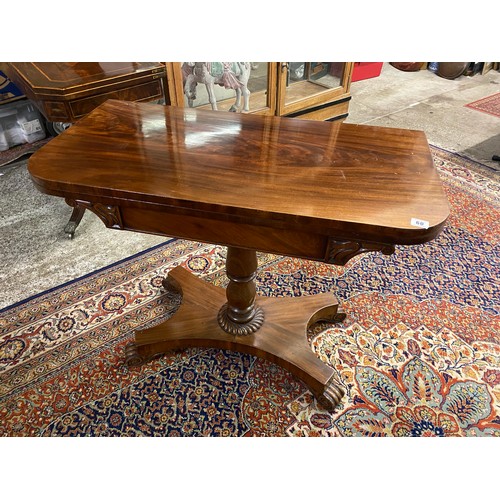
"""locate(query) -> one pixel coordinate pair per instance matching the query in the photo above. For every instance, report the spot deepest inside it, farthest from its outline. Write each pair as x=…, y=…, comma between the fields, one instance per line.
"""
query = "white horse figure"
x=230, y=75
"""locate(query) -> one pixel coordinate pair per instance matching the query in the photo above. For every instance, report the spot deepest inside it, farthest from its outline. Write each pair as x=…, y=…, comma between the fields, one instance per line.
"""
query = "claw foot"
x=171, y=286
x=331, y=397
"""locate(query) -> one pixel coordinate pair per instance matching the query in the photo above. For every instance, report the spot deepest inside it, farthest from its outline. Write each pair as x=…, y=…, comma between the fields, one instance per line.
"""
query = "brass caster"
x=70, y=229
x=339, y=316
x=132, y=356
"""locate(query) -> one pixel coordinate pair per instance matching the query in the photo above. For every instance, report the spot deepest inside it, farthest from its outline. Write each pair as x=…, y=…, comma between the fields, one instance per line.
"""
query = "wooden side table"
x=314, y=190
x=65, y=91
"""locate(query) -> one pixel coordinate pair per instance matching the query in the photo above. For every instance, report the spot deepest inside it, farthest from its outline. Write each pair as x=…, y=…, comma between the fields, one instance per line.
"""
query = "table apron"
x=164, y=221
x=223, y=229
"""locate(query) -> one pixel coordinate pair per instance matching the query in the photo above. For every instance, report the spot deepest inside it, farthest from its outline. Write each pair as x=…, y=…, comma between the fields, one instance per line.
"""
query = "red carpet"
x=490, y=105
x=418, y=355
x=17, y=152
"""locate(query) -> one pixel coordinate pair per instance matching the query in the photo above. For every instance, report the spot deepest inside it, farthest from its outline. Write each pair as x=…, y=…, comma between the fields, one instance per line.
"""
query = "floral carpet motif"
x=418, y=354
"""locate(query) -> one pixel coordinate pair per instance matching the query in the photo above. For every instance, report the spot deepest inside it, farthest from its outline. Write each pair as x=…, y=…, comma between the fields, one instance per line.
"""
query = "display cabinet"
x=248, y=87
x=311, y=90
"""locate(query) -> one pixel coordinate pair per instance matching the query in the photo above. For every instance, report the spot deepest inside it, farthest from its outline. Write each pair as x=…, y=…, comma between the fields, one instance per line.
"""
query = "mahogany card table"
x=315, y=190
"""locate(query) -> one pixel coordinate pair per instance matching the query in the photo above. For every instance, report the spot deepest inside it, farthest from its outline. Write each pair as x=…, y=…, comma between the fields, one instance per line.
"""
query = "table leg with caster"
x=75, y=219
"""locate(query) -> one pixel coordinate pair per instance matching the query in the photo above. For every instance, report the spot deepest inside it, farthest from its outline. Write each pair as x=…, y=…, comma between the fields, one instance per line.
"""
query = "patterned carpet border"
x=489, y=105
x=469, y=163
x=91, y=275
x=418, y=355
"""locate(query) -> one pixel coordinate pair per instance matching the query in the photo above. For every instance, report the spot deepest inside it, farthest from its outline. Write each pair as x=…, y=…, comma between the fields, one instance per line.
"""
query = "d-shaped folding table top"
x=316, y=190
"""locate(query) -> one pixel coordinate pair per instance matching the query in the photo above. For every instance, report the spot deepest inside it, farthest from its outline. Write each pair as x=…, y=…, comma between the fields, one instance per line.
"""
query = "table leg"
x=75, y=219
x=278, y=330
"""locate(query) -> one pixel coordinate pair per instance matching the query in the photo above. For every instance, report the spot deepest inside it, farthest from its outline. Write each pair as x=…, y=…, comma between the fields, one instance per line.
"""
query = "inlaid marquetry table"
x=315, y=190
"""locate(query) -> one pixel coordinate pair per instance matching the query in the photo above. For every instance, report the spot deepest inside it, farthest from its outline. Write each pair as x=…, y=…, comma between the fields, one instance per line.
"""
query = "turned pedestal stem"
x=240, y=315
x=241, y=267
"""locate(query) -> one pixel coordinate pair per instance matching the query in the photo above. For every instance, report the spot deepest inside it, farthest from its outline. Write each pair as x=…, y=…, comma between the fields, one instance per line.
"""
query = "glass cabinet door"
x=243, y=87
x=305, y=84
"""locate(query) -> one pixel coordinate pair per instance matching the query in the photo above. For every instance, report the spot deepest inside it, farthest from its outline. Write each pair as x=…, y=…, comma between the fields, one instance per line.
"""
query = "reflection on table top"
x=289, y=170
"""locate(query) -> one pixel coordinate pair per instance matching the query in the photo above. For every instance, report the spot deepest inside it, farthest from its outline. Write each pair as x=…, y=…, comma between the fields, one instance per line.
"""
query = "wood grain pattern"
x=62, y=78
x=336, y=179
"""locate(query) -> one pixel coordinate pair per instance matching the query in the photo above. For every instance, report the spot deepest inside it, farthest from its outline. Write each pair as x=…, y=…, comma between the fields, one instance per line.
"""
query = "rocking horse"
x=230, y=75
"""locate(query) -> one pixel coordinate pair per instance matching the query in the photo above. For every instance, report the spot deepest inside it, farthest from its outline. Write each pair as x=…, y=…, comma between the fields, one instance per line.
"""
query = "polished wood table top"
x=371, y=182
x=316, y=190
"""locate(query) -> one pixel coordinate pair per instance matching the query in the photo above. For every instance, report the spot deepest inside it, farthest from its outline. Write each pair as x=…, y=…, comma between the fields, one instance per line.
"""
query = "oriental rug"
x=418, y=354
x=17, y=152
x=490, y=105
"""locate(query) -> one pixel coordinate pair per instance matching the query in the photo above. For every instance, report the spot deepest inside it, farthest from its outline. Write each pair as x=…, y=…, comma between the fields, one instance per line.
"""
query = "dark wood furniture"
x=315, y=190
x=66, y=91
